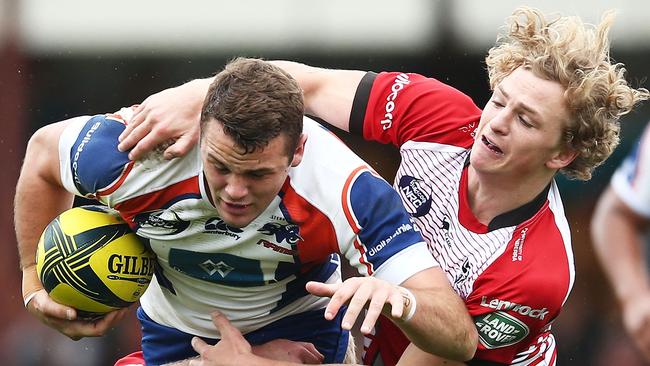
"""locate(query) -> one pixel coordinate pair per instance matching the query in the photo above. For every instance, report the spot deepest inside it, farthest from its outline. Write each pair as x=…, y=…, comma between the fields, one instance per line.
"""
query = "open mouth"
x=234, y=207
x=490, y=145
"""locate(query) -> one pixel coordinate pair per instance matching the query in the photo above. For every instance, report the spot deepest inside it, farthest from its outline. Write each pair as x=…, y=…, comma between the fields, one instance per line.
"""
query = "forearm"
x=441, y=325
x=329, y=94
x=196, y=91
x=617, y=238
x=39, y=198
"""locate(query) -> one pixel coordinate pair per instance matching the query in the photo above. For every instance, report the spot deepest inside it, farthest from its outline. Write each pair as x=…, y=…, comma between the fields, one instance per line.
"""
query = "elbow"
x=466, y=344
x=462, y=349
x=470, y=344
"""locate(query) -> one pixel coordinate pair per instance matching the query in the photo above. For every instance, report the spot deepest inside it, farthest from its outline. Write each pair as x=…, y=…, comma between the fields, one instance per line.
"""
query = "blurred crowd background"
x=63, y=58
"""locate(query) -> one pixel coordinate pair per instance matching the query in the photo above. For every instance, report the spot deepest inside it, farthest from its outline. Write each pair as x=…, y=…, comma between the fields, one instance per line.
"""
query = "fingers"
x=43, y=305
x=182, y=146
x=77, y=329
x=377, y=303
x=397, y=304
x=224, y=327
x=140, y=140
x=360, y=293
x=322, y=289
x=360, y=297
x=313, y=357
x=196, y=362
x=126, y=140
x=199, y=345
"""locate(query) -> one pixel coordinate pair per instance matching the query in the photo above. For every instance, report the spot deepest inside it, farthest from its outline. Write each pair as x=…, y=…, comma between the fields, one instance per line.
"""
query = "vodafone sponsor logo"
x=525, y=310
x=400, y=82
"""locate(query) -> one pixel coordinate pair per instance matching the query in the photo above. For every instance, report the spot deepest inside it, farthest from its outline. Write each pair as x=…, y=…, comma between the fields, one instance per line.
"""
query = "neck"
x=492, y=195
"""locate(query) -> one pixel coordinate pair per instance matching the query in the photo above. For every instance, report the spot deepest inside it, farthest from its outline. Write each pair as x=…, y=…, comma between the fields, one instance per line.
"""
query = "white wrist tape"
x=409, y=302
x=29, y=298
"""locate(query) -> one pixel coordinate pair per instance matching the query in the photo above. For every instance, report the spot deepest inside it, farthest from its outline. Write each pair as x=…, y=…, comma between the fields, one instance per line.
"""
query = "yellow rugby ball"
x=89, y=259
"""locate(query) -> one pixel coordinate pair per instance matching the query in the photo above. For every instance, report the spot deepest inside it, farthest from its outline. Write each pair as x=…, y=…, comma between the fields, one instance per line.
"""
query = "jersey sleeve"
x=388, y=244
x=631, y=181
x=399, y=107
x=90, y=162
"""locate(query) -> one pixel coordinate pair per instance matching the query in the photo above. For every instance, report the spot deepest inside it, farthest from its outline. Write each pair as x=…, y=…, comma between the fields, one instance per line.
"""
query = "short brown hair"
x=576, y=55
x=255, y=102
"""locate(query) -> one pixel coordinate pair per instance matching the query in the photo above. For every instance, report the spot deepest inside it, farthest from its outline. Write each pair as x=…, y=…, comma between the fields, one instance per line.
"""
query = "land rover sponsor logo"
x=526, y=310
x=499, y=329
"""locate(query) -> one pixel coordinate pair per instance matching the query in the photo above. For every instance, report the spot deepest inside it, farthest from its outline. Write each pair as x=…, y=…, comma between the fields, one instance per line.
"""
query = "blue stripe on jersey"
x=226, y=269
x=387, y=227
x=162, y=344
x=94, y=158
x=296, y=288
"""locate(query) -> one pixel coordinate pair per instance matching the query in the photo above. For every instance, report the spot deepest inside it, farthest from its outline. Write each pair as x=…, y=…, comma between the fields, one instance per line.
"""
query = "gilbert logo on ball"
x=89, y=259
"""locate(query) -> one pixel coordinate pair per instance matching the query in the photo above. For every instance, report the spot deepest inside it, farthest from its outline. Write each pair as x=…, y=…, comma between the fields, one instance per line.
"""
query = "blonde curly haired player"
x=479, y=183
x=577, y=56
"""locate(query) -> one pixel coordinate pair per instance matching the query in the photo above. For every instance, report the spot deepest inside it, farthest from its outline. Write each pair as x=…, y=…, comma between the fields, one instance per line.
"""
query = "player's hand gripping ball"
x=89, y=259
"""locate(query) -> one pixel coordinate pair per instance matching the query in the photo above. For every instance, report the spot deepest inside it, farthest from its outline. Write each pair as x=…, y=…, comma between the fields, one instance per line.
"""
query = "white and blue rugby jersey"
x=631, y=181
x=331, y=203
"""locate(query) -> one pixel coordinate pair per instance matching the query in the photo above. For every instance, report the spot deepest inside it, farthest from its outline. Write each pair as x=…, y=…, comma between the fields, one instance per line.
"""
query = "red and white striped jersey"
x=513, y=274
x=330, y=203
x=631, y=181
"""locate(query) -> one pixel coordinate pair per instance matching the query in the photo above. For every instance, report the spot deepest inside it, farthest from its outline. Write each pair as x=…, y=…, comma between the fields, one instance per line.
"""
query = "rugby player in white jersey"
x=242, y=224
x=479, y=183
x=619, y=228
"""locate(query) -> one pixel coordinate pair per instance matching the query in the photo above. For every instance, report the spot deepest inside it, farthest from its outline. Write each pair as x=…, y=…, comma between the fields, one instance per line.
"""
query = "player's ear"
x=300, y=150
x=562, y=159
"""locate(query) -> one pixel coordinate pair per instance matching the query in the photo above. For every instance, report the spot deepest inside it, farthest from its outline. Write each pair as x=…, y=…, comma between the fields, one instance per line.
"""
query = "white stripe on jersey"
x=555, y=204
x=464, y=254
x=541, y=353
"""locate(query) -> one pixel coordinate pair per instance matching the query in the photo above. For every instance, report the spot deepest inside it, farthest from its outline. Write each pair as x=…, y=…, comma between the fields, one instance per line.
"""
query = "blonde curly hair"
x=576, y=55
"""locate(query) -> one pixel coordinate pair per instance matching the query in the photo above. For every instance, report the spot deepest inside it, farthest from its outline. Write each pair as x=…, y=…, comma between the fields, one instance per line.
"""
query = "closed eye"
x=524, y=122
x=497, y=103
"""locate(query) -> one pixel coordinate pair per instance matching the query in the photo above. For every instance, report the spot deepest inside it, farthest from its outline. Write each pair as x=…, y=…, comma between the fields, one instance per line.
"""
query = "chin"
x=238, y=223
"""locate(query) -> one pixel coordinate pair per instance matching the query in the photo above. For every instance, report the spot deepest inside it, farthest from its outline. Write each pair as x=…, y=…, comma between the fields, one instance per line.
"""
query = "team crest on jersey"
x=289, y=233
x=417, y=195
x=445, y=232
x=499, y=329
x=465, y=270
x=216, y=225
x=166, y=220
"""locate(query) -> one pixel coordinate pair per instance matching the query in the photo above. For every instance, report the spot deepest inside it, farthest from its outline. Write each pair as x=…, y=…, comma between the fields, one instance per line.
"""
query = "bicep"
x=430, y=278
x=42, y=155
